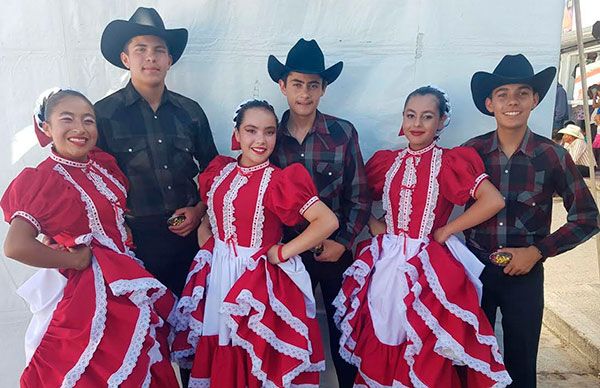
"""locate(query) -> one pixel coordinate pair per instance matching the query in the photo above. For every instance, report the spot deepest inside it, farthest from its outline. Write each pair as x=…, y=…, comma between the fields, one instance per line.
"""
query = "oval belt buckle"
x=501, y=258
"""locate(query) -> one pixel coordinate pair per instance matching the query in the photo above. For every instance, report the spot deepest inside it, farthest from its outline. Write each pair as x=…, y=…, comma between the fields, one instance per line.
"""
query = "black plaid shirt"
x=160, y=153
x=537, y=170
x=331, y=154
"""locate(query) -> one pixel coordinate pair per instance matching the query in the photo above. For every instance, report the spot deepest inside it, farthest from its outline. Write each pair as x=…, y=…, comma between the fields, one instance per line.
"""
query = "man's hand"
x=332, y=251
x=523, y=260
x=193, y=215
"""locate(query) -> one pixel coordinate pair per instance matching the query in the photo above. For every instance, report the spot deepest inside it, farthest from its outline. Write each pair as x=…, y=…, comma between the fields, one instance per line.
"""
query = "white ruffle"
x=42, y=291
x=96, y=331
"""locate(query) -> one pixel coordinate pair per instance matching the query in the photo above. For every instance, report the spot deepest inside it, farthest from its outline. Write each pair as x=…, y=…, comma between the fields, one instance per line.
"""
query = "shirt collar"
x=132, y=96
x=527, y=144
x=319, y=125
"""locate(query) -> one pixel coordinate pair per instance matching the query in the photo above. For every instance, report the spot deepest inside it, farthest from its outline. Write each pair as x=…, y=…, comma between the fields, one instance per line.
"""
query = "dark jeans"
x=330, y=276
x=521, y=302
x=166, y=255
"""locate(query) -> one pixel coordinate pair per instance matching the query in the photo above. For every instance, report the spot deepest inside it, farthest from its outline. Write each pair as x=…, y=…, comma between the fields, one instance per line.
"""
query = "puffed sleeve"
x=290, y=193
x=36, y=196
x=206, y=178
x=461, y=174
x=376, y=168
x=108, y=162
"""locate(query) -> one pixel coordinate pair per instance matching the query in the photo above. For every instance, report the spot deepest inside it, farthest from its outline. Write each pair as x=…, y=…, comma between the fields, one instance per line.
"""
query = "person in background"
x=573, y=141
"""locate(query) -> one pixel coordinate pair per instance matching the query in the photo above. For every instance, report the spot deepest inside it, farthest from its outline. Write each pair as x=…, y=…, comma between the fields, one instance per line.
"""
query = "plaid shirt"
x=156, y=150
x=527, y=180
x=331, y=154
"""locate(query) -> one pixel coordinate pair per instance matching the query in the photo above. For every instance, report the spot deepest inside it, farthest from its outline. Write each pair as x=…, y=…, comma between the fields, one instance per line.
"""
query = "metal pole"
x=586, y=111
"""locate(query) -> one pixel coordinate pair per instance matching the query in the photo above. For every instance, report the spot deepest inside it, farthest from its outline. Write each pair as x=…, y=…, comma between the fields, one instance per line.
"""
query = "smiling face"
x=303, y=92
x=421, y=120
x=256, y=134
x=511, y=105
x=147, y=58
x=72, y=126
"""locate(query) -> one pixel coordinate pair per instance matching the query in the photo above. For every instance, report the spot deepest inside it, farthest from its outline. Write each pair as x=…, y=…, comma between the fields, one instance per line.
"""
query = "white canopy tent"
x=389, y=47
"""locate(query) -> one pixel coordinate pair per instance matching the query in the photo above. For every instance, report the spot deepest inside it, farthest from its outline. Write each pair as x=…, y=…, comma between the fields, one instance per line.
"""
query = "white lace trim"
x=92, y=213
x=196, y=382
x=114, y=180
x=478, y=181
x=29, y=218
x=249, y=170
x=245, y=300
x=421, y=151
x=433, y=191
x=359, y=271
x=139, y=289
x=259, y=212
x=308, y=204
x=229, y=228
x=464, y=315
x=134, y=350
x=409, y=180
x=446, y=345
x=96, y=331
x=389, y=177
x=103, y=189
x=70, y=163
x=210, y=205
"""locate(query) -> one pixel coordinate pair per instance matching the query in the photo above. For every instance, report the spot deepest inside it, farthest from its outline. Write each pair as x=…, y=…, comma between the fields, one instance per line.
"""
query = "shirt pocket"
x=531, y=211
x=131, y=151
x=183, y=155
x=328, y=177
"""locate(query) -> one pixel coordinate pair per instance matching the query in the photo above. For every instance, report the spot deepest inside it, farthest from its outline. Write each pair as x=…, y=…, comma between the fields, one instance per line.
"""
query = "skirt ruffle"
x=109, y=327
x=272, y=335
x=437, y=321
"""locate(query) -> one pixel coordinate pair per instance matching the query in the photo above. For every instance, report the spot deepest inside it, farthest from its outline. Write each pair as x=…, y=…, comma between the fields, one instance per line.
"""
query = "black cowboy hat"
x=512, y=69
x=305, y=57
x=144, y=21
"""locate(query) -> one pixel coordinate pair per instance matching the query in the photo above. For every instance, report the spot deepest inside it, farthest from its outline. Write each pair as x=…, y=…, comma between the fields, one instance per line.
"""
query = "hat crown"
x=147, y=17
x=514, y=66
x=306, y=55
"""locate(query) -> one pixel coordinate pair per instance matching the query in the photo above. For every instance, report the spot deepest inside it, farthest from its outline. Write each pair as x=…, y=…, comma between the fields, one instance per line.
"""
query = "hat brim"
x=277, y=70
x=483, y=84
x=118, y=32
x=566, y=131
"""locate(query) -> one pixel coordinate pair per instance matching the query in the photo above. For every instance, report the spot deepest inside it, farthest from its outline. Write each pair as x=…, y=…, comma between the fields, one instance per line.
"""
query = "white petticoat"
x=226, y=269
x=388, y=285
x=42, y=292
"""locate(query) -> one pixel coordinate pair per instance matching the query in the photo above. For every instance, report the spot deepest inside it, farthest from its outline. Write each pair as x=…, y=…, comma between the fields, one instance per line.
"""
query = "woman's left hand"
x=441, y=235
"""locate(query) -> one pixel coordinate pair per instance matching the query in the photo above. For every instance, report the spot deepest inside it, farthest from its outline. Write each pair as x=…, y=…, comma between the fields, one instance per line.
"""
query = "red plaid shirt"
x=528, y=180
x=331, y=154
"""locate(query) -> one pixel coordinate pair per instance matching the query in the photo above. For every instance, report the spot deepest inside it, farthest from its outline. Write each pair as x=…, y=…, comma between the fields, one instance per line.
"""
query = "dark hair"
x=253, y=104
x=284, y=77
x=125, y=48
x=430, y=90
x=51, y=102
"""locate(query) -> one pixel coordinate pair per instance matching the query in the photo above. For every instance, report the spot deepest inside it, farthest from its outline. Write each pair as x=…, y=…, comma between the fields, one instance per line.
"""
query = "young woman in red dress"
x=99, y=317
x=410, y=301
x=247, y=313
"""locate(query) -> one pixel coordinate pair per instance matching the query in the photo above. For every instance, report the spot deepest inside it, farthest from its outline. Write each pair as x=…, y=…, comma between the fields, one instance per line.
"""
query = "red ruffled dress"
x=104, y=325
x=409, y=307
x=243, y=322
